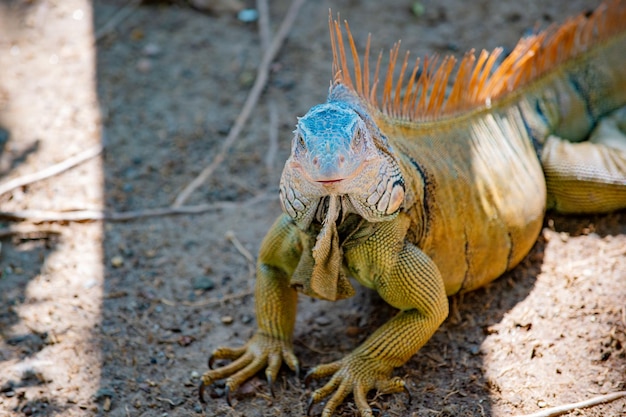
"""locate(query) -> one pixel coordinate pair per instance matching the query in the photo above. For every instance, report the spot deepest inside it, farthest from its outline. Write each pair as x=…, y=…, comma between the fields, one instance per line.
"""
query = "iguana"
x=428, y=191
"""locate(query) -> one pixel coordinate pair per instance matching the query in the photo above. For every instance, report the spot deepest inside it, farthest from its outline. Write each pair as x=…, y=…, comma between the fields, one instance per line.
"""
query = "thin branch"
x=266, y=37
x=51, y=170
x=264, y=24
x=30, y=231
x=95, y=215
x=566, y=408
x=230, y=235
x=249, y=105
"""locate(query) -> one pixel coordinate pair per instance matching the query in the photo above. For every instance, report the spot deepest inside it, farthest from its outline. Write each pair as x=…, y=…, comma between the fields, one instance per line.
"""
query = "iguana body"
x=432, y=193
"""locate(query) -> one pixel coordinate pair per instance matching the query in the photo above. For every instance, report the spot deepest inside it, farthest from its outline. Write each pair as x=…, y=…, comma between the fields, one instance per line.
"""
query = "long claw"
x=408, y=394
x=308, y=377
x=309, y=406
x=270, y=384
x=211, y=361
x=228, y=396
x=201, y=392
x=297, y=371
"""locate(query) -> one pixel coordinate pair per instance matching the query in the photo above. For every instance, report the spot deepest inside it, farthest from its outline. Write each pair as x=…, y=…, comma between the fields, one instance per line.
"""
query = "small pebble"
x=185, y=340
x=90, y=284
x=107, y=404
x=322, y=321
x=352, y=331
x=246, y=318
x=117, y=261
x=194, y=375
x=7, y=386
x=203, y=283
x=151, y=50
x=248, y=15
x=418, y=9
x=144, y=65
x=104, y=393
x=227, y=319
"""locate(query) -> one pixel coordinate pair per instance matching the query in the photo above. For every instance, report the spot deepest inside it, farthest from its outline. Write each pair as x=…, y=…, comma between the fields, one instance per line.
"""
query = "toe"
x=322, y=371
x=340, y=394
x=360, y=398
x=226, y=353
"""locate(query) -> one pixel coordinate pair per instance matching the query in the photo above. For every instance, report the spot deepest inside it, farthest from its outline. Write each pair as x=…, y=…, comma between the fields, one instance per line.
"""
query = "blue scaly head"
x=334, y=153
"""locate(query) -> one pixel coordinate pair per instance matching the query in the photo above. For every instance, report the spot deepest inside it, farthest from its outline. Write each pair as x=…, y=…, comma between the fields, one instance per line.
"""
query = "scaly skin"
x=421, y=209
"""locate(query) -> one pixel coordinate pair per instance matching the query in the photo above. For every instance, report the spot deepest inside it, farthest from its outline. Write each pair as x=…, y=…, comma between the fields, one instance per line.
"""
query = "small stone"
x=474, y=349
x=227, y=319
x=107, y=404
x=104, y=393
x=185, y=340
x=322, y=321
x=352, y=331
x=248, y=15
x=418, y=9
x=7, y=386
x=246, y=318
x=194, y=375
x=203, y=283
x=4, y=136
x=542, y=404
x=151, y=50
x=144, y=65
x=117, y=261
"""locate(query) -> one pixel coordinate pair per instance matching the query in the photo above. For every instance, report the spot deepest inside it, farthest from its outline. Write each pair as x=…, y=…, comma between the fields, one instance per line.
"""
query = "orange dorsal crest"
x=478, y=80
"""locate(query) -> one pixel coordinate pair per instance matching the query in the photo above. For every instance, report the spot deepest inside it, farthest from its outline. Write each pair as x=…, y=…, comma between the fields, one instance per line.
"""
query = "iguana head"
x=338, y=152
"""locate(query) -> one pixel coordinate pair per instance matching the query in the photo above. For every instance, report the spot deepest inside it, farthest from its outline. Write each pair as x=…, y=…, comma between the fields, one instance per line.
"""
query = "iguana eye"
x=357, y=139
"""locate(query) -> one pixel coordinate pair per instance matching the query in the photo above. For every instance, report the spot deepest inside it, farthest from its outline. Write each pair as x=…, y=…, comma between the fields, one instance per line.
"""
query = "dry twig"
x=565, y=408
x=266, y=38
x=51, y=170
x=230, y=235
x=95, y=215
x=253, y=97
x=30, y=231
x=265, y=32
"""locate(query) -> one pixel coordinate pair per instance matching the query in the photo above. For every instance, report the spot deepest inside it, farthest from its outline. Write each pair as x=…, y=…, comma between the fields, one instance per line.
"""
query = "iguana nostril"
x=341, y=160
x=316, y=162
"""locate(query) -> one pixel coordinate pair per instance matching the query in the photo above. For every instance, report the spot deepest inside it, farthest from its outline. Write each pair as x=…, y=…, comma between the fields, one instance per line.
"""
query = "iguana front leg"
x=405, y=278
x=275, y=303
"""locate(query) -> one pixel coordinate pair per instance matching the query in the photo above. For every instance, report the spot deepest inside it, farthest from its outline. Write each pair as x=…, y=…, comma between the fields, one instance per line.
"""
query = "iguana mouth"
x=328, y=182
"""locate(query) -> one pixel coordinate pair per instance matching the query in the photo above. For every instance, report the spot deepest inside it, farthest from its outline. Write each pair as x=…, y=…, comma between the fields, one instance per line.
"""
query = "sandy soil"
x=116, y=319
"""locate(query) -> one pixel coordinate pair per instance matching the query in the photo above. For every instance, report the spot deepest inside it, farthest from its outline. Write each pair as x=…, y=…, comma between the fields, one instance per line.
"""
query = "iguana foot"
x=260, y=352
x=354, y=375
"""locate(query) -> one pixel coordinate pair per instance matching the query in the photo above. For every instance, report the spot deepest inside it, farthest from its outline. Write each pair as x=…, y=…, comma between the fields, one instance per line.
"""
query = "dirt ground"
x=111, y=318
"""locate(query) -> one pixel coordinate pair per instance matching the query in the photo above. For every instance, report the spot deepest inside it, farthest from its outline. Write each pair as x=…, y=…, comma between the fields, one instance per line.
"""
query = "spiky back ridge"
x=477, y=79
